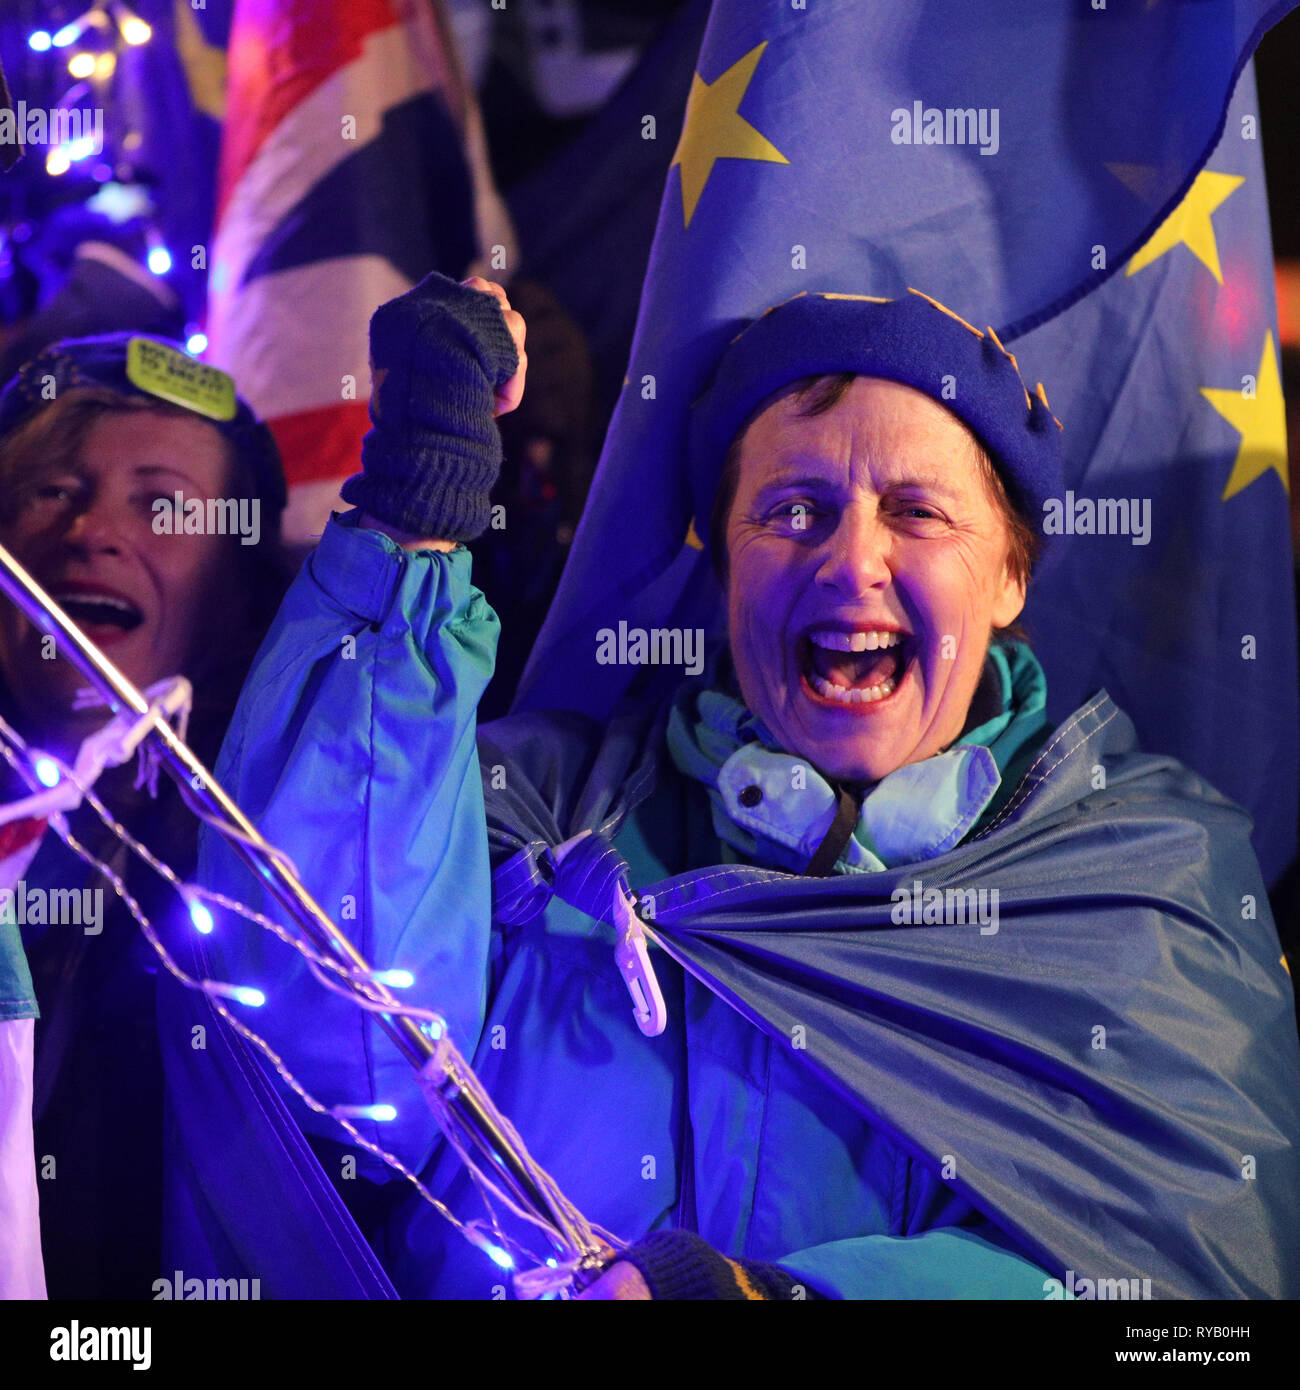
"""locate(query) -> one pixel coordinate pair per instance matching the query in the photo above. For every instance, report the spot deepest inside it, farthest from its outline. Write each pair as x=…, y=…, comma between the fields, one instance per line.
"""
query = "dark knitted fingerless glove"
x=440, y=352
x=679, y=1264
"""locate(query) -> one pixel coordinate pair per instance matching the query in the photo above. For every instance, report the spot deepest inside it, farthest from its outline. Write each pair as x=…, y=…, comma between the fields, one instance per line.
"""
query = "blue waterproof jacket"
x=1106, y=1089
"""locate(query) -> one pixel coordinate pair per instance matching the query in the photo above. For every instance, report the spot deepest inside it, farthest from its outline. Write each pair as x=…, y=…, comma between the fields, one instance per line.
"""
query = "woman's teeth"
x=867, y=641
x=840, y=669
x=851, y=695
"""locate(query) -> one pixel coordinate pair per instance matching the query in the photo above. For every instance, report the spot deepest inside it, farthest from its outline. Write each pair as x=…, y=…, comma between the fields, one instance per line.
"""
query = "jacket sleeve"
x=352, y=750
x=949, y=1262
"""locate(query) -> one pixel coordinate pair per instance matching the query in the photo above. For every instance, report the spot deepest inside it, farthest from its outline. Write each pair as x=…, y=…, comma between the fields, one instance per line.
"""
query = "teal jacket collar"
x=775, y=808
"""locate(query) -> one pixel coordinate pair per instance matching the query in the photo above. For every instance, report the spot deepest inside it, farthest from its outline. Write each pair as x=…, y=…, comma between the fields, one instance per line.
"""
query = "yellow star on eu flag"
x=1189, y=224
x=714, y=129
x=1261, y=421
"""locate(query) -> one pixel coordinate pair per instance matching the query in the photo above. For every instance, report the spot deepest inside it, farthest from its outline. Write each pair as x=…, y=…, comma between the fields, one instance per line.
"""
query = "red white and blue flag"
x=352, y=164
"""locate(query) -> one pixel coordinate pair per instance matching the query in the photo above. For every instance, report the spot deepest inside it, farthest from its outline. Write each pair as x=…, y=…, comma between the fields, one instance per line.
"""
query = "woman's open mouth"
x=854, y=669
x=103, y=615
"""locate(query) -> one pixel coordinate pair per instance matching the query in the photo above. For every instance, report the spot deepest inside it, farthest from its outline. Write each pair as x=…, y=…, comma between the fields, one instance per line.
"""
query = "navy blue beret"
x=107, y=361
x=913, y=340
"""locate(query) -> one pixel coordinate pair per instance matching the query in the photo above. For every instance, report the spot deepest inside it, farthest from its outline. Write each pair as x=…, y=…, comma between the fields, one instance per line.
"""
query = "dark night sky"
x=1277, y=69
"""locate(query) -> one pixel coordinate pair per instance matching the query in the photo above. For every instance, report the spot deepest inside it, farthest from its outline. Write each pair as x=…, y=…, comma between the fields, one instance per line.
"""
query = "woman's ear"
x=1009, y=602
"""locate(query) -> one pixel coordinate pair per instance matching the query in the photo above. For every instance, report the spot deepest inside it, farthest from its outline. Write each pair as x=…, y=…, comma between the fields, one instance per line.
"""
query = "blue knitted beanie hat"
x=913, y=340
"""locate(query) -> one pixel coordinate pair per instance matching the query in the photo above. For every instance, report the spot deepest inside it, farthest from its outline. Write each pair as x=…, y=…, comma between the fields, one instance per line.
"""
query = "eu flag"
x=1084, y=178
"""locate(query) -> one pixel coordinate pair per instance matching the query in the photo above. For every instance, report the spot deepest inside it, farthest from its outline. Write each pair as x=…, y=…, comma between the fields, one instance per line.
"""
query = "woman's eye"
x=57, y=494
x=796, y=516
x=918, y=511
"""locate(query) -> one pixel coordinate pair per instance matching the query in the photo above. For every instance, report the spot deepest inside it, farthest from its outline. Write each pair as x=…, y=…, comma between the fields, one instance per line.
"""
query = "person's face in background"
x=84, y=527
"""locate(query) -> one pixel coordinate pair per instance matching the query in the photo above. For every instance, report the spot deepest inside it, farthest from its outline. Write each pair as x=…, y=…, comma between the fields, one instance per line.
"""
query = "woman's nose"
x=95, y=527
x=857, y=553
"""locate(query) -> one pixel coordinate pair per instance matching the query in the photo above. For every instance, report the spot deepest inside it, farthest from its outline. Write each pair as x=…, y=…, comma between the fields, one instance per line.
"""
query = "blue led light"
x=66, y=35
x=196, y=343
x=381, y=1112
x=200, y=916
x=39, y=40
x=246, y=994
x=398, y=979
x=160, y=260
x=47, y=772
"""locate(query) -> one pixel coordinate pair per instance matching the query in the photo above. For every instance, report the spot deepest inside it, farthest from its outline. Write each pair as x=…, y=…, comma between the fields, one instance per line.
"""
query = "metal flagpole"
x=200, y=789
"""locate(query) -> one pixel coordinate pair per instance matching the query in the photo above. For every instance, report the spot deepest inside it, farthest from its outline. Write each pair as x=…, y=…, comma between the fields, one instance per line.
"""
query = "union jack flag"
x=352, y=163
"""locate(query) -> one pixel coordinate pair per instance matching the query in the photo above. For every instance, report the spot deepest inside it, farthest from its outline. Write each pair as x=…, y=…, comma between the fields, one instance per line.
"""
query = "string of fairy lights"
x=534, y=1276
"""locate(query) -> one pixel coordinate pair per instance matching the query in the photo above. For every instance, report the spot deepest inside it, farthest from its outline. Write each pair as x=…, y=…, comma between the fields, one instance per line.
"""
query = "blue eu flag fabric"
x=1169, y=375
x=1088, y=182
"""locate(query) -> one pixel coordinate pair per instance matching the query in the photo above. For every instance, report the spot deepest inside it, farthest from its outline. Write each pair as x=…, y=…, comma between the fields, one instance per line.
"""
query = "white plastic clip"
x=633, y=959
x=631, y=955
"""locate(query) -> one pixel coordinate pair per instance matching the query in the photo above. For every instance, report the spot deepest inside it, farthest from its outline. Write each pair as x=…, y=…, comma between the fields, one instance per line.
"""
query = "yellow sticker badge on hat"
x=171, y=375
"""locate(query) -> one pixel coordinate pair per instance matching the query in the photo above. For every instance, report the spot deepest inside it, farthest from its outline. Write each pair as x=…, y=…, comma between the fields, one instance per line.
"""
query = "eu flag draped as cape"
x=1111, y=1075
x=1073, y=177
